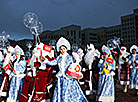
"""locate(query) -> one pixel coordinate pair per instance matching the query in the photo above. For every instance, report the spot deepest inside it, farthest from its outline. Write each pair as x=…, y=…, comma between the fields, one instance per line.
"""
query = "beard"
x=123, y=52
x=37, y=53
x=89, y=57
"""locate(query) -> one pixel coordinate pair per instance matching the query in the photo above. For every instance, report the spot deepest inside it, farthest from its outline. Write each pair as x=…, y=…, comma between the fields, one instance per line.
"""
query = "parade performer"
x=133, y=62
x=106, y=80
x=67, y=89
x=95, y=70
x=82, y=63
x=42, y=76
x=89, y=60
x=7, y=62
x=19, y=68
x=1, y=69
x=123, y=70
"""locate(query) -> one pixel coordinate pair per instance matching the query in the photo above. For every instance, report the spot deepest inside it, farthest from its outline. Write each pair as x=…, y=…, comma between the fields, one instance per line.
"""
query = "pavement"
x=120, y=96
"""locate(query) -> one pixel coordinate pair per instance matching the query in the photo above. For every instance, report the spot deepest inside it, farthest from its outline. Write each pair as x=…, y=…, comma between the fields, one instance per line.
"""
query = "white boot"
x=88, y=92
x=125, y=90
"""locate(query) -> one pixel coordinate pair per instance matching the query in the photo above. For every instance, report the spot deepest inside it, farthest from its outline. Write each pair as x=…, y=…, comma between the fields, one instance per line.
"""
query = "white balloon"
x=38, y=29
x=30, y=20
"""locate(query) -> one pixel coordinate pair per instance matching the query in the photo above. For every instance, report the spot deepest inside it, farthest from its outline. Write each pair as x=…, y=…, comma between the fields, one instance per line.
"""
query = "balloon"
x=29, y=44
x=30, y=20
x=37, y=29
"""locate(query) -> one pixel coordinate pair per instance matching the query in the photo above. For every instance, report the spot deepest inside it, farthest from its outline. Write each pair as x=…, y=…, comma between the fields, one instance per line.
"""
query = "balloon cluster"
x=4, y=40
x=52, y=42
x=114, y=43
x=31, y=21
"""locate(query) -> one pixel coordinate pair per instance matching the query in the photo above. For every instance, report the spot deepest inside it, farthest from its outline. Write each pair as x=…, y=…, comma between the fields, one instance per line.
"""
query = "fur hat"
x=11, y=49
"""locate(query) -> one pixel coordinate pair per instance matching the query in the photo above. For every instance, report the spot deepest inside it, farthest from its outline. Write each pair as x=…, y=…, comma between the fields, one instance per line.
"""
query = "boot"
x=125, y=89
x=136, y=92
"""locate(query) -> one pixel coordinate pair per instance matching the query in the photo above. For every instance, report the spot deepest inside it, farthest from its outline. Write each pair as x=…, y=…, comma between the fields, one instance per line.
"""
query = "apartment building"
x=129, y=28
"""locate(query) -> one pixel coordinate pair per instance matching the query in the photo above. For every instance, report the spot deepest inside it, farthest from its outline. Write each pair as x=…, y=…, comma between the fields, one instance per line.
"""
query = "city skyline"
x=56, y=14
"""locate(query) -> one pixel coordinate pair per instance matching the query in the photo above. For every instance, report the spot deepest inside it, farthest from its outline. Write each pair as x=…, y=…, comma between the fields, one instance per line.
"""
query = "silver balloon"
x=38, y=29
x=75, y=47
x=30, y=20
x=4, y=40
x=52, y=42
x=29, y=44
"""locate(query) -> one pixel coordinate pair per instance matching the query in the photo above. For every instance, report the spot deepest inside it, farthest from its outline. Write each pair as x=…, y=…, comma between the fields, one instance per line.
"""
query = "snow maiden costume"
x=133, y=62
x=18, y=76
x=7, y=62
x=67, y=89
x=106, y=80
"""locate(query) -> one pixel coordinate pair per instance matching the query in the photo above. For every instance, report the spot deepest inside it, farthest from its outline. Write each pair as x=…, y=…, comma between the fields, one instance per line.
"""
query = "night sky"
x=55, y=14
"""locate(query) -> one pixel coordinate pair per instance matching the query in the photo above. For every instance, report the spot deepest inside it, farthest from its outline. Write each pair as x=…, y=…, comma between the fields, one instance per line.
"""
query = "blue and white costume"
x=7, y=61
x=1, y=69
x=67, y=89
x=133, y=62
x=17, y=80
x=106, y=81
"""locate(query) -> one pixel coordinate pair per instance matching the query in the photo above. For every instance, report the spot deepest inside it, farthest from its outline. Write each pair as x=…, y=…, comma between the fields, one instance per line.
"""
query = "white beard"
x=124, y=54
x=37, y=53
x=89, y=57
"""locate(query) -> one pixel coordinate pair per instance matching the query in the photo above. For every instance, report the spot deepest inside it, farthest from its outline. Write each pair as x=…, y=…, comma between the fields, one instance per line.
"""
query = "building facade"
x=72, y=33
x=88, y=35
x=129, y=28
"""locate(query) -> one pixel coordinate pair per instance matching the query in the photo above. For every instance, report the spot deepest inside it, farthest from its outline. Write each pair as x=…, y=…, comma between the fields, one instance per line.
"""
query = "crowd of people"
x=68, y=76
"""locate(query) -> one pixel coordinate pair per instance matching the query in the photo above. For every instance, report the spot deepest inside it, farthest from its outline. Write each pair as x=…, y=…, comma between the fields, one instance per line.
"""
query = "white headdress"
x=18, y=50
x=11, y=49
x=133, y=47
x=63, y=41
x=106, y=49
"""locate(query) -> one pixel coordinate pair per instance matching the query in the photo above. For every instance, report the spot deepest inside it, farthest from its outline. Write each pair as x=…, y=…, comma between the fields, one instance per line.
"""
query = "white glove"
x=101, y=61
x=83, y=69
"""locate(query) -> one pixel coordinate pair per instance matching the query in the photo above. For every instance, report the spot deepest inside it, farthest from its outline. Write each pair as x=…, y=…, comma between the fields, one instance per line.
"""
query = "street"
x=120, y=96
